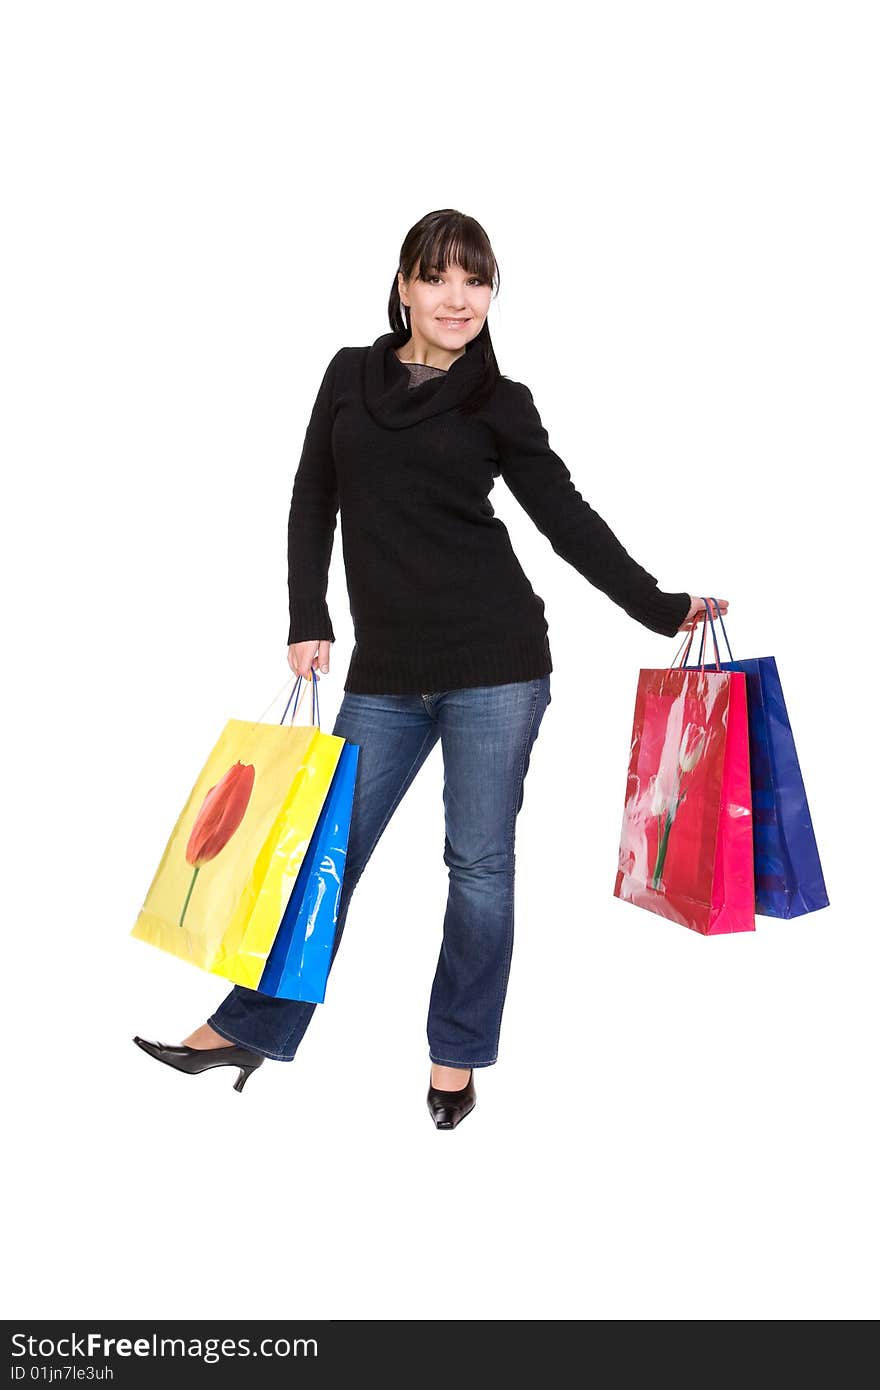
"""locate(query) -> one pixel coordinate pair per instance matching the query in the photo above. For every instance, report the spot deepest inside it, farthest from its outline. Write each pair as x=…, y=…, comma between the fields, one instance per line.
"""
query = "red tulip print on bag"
x=693, y=741
x=221, y=813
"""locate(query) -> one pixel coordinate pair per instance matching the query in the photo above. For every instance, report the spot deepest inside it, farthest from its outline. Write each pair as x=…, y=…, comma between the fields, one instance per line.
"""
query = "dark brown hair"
x=438, y=240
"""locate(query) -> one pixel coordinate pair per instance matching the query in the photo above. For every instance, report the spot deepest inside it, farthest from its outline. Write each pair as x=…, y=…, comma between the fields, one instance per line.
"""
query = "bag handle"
x=686, y=645
x=724, y=630
x=294, y=695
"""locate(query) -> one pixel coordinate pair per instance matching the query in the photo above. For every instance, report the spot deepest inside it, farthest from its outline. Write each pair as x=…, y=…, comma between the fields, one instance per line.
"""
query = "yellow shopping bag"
x=222, y=885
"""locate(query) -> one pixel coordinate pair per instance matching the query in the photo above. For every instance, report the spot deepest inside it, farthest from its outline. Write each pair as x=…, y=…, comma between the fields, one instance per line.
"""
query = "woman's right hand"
x=305, y=657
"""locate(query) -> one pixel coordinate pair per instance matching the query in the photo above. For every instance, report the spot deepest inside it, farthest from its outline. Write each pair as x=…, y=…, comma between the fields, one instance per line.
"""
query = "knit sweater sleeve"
x=312, y=522
x=543, y=486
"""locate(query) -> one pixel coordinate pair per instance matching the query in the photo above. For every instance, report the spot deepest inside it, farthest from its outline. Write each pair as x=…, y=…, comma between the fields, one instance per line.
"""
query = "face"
x=447, y=309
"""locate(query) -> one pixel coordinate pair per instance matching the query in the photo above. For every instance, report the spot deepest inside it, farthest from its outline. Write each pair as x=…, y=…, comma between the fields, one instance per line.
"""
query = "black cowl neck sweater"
x=437, y=595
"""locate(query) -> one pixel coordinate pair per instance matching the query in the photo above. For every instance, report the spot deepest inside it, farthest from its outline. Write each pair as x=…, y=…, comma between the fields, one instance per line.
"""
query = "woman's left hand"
x=698, y=607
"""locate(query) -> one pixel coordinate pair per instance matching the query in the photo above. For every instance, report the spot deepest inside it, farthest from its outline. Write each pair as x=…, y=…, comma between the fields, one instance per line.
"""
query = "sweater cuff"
x=659, y=611
x=310, y=621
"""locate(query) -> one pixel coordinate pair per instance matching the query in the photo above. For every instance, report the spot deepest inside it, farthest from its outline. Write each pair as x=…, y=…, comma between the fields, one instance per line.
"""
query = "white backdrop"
x=206, y=200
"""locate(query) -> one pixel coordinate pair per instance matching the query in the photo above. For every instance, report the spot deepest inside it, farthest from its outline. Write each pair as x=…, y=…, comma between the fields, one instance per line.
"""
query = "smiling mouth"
x=454, y=323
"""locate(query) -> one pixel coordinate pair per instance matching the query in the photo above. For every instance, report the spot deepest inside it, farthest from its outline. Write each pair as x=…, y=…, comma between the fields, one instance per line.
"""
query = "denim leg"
x=487, y=736
x=395, y=734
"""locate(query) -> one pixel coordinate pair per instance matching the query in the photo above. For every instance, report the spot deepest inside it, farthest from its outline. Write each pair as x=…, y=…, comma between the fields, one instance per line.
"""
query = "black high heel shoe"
x=449, y=1107
x=196, y=1059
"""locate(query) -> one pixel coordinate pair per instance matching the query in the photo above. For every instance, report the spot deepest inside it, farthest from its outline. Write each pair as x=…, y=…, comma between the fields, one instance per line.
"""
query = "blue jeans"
x=486, y=733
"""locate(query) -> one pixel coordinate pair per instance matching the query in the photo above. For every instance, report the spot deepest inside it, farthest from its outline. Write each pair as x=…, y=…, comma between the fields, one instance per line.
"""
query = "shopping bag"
x=788, y=873
x=686, y=839
x=299, y=962
x=230, y=865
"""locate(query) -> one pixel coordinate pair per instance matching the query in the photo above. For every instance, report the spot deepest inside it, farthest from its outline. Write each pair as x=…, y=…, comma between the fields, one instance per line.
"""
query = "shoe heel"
x=243, y=1075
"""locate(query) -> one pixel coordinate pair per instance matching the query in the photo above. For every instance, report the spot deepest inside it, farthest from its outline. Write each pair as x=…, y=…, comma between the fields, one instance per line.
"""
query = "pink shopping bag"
x=686, y=849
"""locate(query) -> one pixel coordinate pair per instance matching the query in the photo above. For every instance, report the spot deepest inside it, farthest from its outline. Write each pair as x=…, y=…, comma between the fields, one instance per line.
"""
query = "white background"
x=203, y=202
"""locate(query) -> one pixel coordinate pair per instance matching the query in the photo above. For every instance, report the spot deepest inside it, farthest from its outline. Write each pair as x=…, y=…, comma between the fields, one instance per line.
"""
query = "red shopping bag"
x=686, y=848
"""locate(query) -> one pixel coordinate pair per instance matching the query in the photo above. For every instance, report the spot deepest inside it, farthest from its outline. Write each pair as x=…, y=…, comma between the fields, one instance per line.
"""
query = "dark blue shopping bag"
x=299, y=962
x=788, y=874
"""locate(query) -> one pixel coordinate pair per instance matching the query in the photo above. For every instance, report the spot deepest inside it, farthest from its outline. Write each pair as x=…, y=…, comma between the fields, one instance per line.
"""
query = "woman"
x=405, y=440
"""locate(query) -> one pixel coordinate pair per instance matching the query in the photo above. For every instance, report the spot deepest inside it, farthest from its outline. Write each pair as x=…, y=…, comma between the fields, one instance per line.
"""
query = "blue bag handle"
x=295, y=694
x=721, y=621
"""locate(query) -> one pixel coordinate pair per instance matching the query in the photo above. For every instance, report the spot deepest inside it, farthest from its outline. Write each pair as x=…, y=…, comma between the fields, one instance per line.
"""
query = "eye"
x=476, y=279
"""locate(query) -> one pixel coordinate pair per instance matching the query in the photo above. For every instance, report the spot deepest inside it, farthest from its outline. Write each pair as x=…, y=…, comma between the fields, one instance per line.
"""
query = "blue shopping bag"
x=788, y=873
x=298, y=964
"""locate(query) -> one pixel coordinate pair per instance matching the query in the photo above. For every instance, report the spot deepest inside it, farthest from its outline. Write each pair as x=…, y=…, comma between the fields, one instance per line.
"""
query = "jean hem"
x=230, y=1037
x=447, y=1062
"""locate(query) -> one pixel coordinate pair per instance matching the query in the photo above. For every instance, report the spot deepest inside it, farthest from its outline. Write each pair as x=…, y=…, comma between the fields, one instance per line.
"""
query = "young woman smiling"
x=404, y=443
